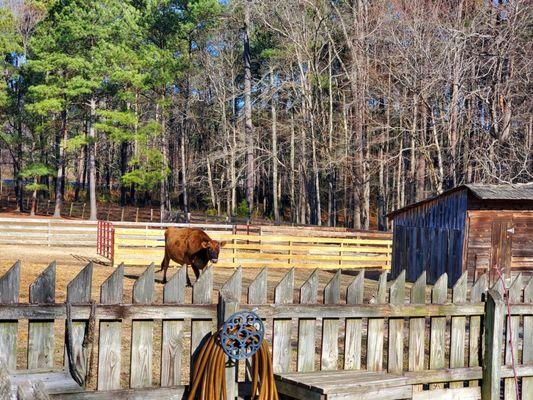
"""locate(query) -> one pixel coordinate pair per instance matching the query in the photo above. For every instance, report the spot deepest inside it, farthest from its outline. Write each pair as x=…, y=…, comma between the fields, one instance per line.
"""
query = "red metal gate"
x=105, y=240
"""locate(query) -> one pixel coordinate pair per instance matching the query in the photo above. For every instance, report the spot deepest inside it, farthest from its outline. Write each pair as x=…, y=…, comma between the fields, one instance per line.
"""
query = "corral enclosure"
x=431, y=335
x=282, y=248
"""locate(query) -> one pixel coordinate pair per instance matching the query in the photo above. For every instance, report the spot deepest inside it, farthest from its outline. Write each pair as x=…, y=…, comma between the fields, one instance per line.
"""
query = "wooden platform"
x=53, y=382
x=343, y=385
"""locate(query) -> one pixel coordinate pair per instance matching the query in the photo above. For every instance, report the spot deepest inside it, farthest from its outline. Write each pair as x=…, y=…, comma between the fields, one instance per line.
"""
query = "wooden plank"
x=41, y=332
x=9, y=294
x=143, y=288
x=142, y=333
x=512, y=337
x=354, y=329
x=176, y=393
x=458, y=334
x=109, y=339
x=257, y=291
x=449, y=394
x=79, y=291
x=120, y=233
x=393, y=393
x=396, y=297
x=294, y=391
x=228, y=304
x=376, y=330
x=172, y=344
x=234, y=284
x=307, y=326
x=475, y=347
x=281, y=343
x=417, y=327
x=494, y=320
x=330, y=326
x=331, y=249
x=527, y=352
x=437, y=342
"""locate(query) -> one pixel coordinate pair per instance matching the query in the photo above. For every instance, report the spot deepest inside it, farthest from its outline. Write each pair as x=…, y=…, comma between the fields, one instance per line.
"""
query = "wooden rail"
x=145, y=346
x=358, y=250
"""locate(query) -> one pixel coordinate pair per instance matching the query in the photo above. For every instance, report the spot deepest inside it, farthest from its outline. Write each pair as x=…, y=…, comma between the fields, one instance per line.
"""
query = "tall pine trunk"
x=275, y=204
x=92, y=166
x=248, y=127
x=61, y=139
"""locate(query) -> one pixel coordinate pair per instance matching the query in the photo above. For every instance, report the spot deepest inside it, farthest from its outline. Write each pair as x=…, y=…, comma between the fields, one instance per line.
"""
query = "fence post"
x=227, y=305
x=494, y=315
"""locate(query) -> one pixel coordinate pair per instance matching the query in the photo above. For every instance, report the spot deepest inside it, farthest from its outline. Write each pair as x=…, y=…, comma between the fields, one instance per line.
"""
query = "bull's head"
x=213, y=248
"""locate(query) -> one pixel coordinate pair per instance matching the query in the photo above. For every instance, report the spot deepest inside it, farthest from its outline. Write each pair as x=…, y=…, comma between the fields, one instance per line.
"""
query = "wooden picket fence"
x=325, y=250
x=142, y=348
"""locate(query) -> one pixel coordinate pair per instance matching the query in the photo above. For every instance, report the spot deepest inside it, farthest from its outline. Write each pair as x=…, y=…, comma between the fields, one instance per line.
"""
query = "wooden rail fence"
x=325, y=250
x=434, y=338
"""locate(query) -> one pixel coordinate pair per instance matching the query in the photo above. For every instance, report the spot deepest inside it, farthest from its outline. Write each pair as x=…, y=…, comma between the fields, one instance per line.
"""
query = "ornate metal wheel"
x=242, y=335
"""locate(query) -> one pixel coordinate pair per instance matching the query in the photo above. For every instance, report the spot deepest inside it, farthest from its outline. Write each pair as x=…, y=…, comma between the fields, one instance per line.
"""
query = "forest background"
x=329, y=112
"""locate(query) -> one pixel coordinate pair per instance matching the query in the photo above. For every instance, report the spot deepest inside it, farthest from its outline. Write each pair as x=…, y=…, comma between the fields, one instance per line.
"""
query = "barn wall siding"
x=430, y=237
x=479, y=242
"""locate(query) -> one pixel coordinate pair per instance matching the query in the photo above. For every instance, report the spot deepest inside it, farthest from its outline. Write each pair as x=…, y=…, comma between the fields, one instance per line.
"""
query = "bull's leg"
x=196, y=271
x=164, y=266
x=189, y=284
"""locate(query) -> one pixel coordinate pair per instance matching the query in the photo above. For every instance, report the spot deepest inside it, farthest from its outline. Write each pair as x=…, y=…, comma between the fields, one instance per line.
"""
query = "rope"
x=209, y=373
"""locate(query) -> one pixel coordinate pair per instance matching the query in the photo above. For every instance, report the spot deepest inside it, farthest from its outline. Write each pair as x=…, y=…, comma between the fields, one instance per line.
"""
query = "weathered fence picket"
x=514, y=295
x=396, y=296
x=78, y=292
x=142, y=331
x=9, y=294
x=281, y=342
x=41, y=332
x=172, y=346
x=110, y=352
x=457, y=341
x=475, y=346
x=354, y=326
x=376, y=330
x=437, y=344
x=330, y=326
x=417, y=326
x=527, y=352
x=307, y=326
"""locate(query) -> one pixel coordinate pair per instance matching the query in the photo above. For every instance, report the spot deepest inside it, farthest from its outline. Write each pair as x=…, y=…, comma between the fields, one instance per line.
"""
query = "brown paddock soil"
x=70, y=261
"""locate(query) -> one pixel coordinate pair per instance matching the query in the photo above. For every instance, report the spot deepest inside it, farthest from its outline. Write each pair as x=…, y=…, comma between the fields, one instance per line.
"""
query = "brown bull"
x=189, y=246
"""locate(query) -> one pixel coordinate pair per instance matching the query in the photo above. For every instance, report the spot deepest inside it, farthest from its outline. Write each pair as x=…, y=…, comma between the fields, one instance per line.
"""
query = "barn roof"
x=502, y=192
x=482, y=191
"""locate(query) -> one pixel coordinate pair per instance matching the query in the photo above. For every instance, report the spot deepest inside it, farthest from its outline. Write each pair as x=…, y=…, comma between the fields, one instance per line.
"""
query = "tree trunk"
x=421, y=160
x=275, y=204
x=248, y=127
x=184, y=177
x=294, y=209
x=92, y=167
x=210, y=182
x=61, y=139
